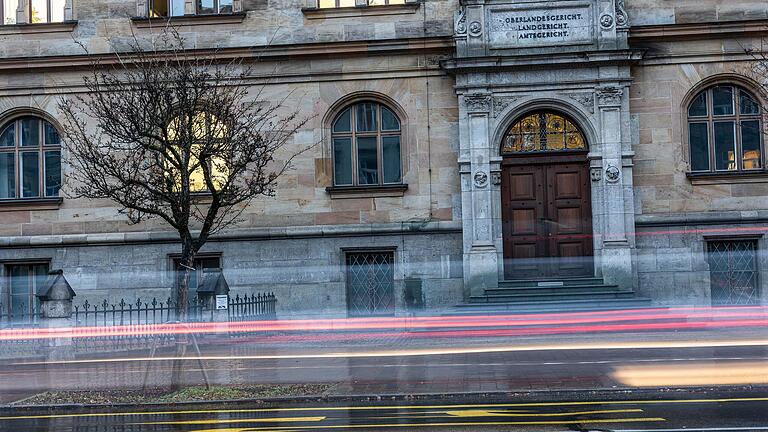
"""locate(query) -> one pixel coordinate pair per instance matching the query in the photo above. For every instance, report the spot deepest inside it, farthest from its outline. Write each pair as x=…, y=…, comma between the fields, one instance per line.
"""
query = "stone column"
x=22, y=12
x=480, y=253
x=68, y=14
x=142, y=8
x=617, y=252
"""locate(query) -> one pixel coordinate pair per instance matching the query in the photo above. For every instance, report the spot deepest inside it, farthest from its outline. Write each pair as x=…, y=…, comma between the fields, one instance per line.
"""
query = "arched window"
x=366, y=146
x=543, y=131
x=725, y=130
x=30, y=159
x=206, y=130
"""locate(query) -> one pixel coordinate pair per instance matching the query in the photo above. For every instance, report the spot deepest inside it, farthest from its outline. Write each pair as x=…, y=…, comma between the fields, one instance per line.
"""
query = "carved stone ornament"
x=475, y=28
x=496, y=178
x=500, y=103
x=481, y=179
x=596, y=173
x=609, y=95
x=460, y=21
x=587, y=100
x=606, y=21
x=478, y=103
x=622, y=19
x=612, y=174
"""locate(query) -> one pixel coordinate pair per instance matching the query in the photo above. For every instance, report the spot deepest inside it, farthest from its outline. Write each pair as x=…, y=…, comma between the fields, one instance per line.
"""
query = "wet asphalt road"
x=707, y=414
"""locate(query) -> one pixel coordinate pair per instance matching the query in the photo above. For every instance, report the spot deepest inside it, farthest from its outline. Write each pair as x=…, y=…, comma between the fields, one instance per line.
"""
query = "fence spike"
x=86, y=305
x=122, y=303
x=154, y=301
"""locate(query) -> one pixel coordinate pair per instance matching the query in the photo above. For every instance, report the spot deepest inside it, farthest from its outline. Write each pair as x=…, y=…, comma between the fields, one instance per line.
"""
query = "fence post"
x=214, y=290
x=56, y=312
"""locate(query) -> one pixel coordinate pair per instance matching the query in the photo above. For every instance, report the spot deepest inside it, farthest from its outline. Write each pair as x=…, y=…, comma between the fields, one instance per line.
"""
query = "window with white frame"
x=172, y=8
x=37, y=11
x=325, y=4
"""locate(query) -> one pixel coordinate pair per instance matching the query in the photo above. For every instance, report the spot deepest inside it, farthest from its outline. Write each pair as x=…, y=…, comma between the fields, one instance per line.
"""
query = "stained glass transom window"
x=543, y=131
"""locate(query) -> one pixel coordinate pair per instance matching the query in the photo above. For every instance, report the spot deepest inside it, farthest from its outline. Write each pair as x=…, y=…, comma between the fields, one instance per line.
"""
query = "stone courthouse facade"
x=462, y=145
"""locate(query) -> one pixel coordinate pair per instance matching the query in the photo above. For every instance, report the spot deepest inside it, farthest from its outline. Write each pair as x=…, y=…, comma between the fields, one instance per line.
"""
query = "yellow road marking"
x=227, y=421
x=395, y=407
x=435, y=351
x=415, y=425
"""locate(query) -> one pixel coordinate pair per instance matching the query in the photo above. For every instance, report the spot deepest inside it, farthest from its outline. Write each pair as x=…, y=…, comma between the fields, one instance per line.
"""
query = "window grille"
x=733, y=272
x=370, y=283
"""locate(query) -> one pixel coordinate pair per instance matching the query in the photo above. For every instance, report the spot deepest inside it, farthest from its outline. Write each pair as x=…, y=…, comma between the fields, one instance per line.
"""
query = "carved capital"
x=587, y=100
x=500, y=103
x=610, y=95
x=478, y=102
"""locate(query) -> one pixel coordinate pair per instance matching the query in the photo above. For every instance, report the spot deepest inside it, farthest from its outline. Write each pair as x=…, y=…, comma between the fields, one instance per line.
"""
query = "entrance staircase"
x=552, y=295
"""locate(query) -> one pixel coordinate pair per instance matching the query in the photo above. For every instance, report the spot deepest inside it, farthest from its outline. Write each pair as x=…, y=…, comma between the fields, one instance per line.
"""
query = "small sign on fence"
x=222, y=301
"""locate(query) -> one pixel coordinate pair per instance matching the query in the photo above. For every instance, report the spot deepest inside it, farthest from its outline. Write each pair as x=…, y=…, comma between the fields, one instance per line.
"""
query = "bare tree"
x=169, y=133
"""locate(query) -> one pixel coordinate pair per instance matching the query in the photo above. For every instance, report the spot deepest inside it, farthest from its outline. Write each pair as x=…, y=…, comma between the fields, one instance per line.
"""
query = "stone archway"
x=546, y=207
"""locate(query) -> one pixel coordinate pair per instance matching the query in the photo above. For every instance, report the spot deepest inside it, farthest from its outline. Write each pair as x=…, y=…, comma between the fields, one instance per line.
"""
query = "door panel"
x=569, y=207
x=547, y=220
x=523, y=208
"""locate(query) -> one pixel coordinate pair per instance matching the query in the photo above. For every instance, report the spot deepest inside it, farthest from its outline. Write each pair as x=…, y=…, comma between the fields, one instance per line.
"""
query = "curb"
x=574, y=395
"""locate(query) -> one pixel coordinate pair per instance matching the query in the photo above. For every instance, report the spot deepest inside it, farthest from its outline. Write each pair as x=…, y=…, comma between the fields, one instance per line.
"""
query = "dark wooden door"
x=547, y=220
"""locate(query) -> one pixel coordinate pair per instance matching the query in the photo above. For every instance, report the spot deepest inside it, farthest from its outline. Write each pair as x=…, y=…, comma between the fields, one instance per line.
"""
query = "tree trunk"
x=187, y=265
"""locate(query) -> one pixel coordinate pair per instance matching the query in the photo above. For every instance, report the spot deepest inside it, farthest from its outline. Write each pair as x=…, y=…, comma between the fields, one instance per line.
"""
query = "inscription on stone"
x=540, y=26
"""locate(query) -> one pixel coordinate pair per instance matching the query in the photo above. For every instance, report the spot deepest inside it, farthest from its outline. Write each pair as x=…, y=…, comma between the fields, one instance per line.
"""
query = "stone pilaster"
x=615, y=234
x=477, y=195
x=142, y=9
x=68, y=12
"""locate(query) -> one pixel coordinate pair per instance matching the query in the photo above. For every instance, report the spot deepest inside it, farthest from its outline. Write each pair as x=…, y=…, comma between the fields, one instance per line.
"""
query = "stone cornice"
x=562, y=60
x=25, y=29
x=357, y=230
x=672, y=32
x=273, y=52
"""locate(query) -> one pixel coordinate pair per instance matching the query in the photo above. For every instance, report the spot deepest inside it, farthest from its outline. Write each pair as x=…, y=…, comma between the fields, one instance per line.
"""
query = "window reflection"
x=725, y=130
x=366, y=146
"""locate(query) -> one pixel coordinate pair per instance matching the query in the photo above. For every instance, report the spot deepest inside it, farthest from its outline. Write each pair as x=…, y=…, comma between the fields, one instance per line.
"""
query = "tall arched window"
x=543, y=131
x=725, y=130
x=205, y=129
x=366, y=146
x=30, y=159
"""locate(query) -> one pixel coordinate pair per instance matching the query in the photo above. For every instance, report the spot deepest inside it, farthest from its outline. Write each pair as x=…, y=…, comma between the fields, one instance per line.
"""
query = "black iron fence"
x=253, y=307
x=137, y=312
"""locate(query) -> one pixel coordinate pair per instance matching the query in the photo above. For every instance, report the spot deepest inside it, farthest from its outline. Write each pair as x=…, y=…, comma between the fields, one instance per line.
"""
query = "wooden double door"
x=547, y=217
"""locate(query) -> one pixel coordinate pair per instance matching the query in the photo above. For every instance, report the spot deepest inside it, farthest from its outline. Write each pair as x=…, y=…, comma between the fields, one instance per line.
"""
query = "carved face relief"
x=481, y=179
x=475, y=28
x=606, y=21
x=612, y=174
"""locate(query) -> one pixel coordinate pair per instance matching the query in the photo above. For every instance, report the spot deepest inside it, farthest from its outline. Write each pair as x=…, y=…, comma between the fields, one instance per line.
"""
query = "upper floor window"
x=30, y=159
x=205, y=129
x=353, y=3
x=38, y=11
x=725, y=130
x=8, y=11
x=46, y=11
x=366, y=146
x=171, y=8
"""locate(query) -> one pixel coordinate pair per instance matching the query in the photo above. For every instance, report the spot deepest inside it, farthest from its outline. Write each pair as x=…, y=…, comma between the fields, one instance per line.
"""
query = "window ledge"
x=57, y=27
x=728, y=178
x=30, y=204
x=358, y=11
x=341, y=192
x=189, y=20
